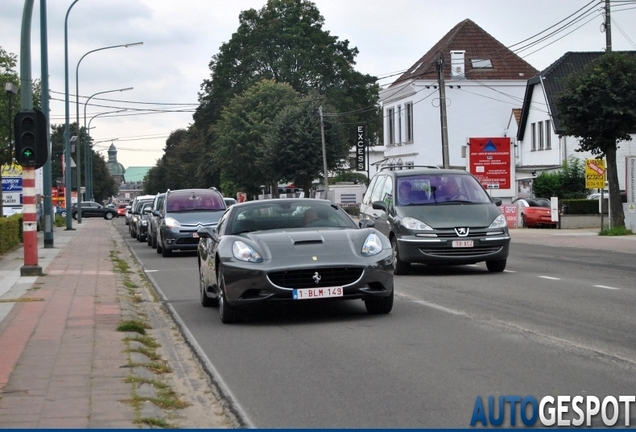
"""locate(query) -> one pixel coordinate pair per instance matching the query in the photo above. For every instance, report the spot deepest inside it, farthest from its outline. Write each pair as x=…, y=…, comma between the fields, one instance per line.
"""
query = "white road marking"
x=605, y=287
x=549, y=277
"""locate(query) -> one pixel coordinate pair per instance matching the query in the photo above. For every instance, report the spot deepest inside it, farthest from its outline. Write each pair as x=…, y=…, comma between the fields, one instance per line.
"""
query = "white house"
x=541, y=143
x=483, y=82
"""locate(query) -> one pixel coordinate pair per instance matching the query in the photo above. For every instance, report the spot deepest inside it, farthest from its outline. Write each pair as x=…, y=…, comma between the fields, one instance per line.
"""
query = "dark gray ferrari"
x=292, y=250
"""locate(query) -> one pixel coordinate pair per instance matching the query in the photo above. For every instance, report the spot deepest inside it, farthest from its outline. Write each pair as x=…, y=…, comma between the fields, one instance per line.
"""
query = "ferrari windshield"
x=288, y=213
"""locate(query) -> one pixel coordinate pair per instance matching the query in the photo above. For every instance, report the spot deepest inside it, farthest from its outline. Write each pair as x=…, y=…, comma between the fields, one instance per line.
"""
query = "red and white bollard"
x=29, y=224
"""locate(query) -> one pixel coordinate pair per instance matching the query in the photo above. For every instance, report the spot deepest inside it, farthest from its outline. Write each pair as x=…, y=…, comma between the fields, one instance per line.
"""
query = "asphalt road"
x=559, y=321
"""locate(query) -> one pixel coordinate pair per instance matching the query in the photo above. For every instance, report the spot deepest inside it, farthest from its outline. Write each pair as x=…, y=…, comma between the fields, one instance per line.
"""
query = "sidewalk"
x=62, y=361
x=586, y=238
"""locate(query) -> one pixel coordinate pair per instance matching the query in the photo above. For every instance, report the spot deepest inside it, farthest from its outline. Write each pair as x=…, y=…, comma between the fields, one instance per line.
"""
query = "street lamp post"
x=79, y=133
x=67, y=133
x=79, y=144
x=88, y=172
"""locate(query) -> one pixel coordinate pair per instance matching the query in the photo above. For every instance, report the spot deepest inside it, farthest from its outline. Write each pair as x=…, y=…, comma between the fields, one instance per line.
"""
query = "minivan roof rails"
x=407, y=167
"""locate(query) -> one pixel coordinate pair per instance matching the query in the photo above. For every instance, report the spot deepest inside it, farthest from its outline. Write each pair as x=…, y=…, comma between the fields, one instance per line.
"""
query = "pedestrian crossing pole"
x=29, y=214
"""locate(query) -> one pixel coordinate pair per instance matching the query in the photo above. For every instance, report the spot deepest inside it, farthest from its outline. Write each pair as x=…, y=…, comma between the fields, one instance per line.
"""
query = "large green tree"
x=8, y=63
x=296, y=141
x=240, y=148
x=285, y=41
x=598, y=106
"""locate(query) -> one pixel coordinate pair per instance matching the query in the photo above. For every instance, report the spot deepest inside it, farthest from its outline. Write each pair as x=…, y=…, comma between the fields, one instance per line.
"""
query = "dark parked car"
x=292, y=249
x=135, y=213
x=93, y=209
x=182, y=213
x=436, y=216
x=142, y=225
x=152, y=220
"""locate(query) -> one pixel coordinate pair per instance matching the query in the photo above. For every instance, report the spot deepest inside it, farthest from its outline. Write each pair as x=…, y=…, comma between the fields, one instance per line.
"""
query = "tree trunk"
x=617, y=218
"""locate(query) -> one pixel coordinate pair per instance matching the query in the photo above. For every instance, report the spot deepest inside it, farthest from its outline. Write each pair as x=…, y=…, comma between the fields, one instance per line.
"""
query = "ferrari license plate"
x=314, y=293
x=463, y=243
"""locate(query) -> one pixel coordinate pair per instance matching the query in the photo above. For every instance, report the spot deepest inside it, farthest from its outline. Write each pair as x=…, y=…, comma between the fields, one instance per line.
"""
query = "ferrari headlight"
x=172, y=223
x=415, y=224
x=243, y=252
x=499, y=222
x=372, y=245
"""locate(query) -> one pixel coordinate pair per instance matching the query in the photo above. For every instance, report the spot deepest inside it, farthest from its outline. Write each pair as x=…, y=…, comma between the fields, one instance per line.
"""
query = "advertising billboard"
x=490, y=161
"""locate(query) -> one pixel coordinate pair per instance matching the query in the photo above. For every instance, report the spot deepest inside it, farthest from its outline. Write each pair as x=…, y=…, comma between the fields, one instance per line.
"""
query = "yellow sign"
x=594, y=173
x=13, y=170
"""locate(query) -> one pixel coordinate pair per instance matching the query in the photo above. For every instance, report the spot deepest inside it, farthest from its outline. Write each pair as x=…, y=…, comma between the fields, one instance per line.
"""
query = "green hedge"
x=10, y=233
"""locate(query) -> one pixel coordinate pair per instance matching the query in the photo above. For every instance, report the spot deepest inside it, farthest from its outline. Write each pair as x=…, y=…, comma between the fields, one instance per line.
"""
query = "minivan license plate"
x=314, y=293
x=462, y=243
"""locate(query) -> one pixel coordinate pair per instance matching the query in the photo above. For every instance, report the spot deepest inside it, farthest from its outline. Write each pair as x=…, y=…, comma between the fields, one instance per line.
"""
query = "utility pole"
x=608, y=27
x=324, y=153
x=442, y=110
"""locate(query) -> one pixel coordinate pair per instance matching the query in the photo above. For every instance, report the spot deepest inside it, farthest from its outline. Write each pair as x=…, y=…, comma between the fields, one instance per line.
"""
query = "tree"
x=8, y=63
x=567, y=183
x=285, y=42
x=598, y=105
x=296, y=140
x=240, y=149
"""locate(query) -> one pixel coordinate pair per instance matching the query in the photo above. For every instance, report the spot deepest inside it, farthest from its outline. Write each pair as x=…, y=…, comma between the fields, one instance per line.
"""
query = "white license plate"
x=314, y=293
x=463, y=243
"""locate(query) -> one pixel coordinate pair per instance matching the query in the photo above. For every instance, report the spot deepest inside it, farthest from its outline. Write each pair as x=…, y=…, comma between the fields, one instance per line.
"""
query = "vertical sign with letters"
x=361, y=155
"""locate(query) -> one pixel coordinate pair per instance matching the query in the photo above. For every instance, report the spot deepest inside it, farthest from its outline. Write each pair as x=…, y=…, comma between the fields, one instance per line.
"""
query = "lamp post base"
x=31, y=270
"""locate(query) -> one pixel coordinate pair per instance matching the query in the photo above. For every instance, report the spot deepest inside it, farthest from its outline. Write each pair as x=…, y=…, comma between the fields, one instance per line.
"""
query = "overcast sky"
x=180, y=37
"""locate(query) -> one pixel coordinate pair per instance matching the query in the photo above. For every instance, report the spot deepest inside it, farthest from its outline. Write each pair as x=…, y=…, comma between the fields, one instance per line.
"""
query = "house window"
x=390, y=127
x=548, y=134
x=399, y=122
x=408, y=108
x=540, y=135
x=534, y=136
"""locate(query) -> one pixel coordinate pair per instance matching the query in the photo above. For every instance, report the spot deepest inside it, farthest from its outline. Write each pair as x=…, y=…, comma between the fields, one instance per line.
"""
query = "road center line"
x=605, y=287
x=549, y=277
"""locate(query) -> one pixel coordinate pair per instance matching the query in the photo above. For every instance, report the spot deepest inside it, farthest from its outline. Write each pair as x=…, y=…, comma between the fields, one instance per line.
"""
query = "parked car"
x=229, y=201
x=128, y=214
x=265, y=251
x=436, y=216
x=94, y=209
x=121, y=209
x=182, y=213
x=535, y=212
x=135, y=213
x=142, y=224
x=152, y=220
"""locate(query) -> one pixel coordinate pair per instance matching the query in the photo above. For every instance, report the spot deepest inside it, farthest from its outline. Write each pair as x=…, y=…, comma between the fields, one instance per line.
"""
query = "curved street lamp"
x=79, y=132
x=88, y=156
x=79, y=207
x=67, y=133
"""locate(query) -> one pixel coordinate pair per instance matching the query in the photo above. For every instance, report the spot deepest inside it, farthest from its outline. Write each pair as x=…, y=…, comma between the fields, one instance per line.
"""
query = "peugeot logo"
x=316, y=277
x=462, y=232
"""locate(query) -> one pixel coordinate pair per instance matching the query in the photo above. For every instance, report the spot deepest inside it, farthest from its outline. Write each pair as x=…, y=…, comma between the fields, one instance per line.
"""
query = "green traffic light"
x=27, y=153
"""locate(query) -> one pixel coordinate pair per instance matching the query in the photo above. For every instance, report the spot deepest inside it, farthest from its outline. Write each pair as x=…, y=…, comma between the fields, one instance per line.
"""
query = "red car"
x=535, y=212
x=121, y=209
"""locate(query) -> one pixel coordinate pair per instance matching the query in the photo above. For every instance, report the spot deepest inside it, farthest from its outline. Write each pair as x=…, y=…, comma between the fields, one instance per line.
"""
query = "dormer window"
x=481, y=63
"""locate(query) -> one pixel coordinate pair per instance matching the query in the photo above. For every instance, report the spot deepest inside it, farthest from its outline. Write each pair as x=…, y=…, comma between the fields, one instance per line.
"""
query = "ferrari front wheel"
x=229, y=314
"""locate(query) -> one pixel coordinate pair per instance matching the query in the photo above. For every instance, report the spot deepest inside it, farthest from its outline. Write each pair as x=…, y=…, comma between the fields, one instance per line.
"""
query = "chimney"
x=458, y=68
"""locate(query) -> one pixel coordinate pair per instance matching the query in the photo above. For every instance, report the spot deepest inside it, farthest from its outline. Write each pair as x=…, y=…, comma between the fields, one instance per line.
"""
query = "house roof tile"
x=477, y=44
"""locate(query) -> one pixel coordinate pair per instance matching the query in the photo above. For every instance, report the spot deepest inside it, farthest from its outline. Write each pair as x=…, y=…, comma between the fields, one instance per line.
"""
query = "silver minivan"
x=437, y=217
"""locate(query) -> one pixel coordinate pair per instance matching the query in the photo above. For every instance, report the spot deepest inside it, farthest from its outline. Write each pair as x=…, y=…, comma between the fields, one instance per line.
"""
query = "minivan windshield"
x=435, y=188
x=195, y=201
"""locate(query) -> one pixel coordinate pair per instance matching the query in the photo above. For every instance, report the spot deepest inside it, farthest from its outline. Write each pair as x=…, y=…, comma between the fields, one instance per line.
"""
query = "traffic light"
x=31, y=146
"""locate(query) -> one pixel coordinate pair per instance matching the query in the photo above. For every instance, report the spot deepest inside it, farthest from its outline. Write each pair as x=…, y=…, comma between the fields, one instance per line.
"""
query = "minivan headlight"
x=499, y=222
x=172, y=223
x=415, y=224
